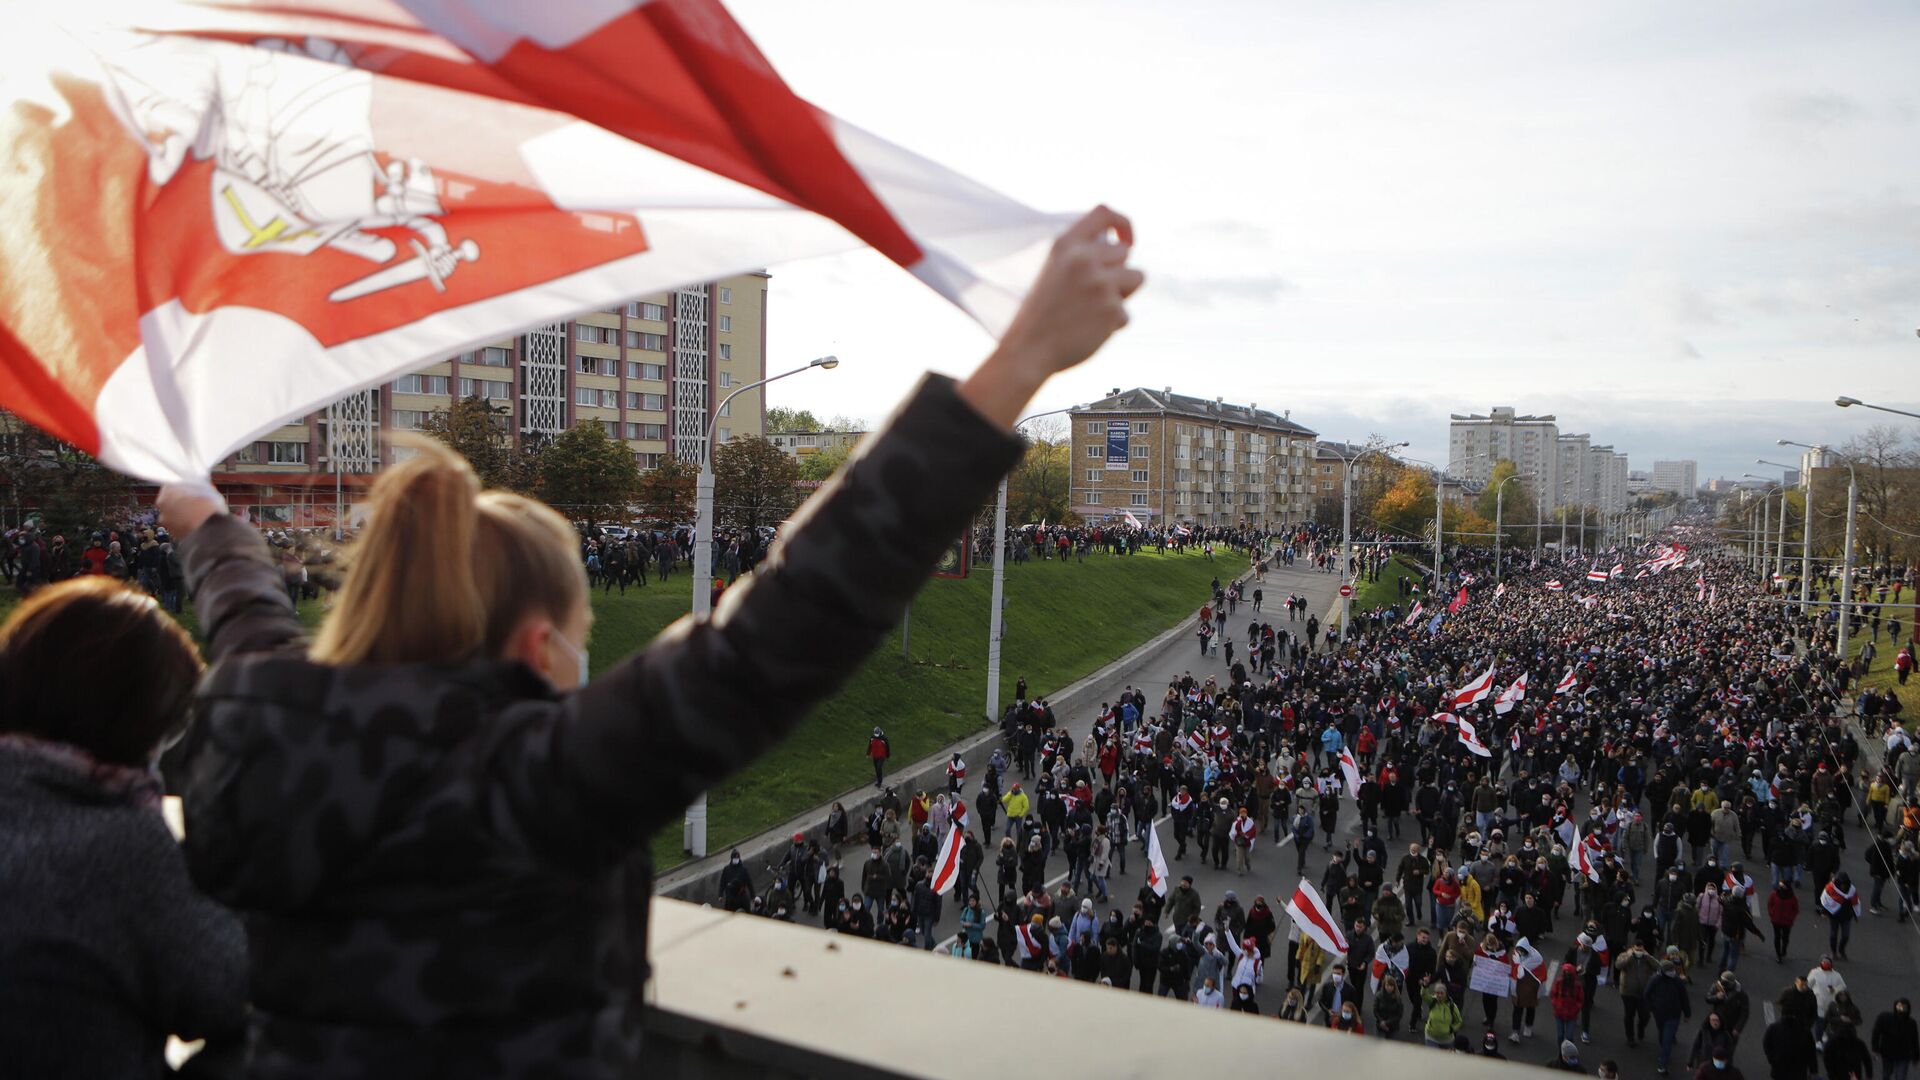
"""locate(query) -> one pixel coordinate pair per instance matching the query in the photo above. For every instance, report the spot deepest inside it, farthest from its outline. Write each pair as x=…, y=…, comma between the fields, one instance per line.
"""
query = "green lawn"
x=1386, y=591
x=1063, y=622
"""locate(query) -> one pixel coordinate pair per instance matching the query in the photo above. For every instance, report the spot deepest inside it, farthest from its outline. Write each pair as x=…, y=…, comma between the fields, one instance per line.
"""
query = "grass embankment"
x=1881, y=675
x=1063, y=622
x=1386, y=591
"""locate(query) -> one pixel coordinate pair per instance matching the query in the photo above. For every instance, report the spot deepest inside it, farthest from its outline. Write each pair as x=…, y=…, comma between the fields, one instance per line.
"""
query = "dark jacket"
x=1895, y=1038
x=105, y=946
x=1666, y=997
x=445, y=868
x=1788, y=1045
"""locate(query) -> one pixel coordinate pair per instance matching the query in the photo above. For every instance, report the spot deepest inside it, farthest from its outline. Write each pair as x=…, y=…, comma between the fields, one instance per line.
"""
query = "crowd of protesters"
x=1675, y=788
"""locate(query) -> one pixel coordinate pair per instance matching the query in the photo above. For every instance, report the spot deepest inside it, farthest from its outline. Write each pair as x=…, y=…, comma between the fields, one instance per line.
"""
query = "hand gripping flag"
x=1470, y=738
x=946, y=865
x=1474, y=691
x=1833, y=898
x=1350, y=770
x=225, y=215
x=1156, y=862
x=1567, y=682
x=1513, y=739
x=1459, y=602
x=1310, y=914
x=1511, y=696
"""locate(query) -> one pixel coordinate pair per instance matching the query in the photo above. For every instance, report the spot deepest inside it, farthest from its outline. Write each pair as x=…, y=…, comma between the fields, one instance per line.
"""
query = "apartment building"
x=1680, y=477
x=651, y=371
x=805, y=444
x=1476, y=442
x=1172, y=458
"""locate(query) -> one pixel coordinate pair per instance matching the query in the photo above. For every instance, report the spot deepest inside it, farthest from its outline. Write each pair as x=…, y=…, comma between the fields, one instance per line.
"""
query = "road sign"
x=1346, y=590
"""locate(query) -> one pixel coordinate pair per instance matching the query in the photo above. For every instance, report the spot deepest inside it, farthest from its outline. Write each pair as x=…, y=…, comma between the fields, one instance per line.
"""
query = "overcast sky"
x=1683, y=229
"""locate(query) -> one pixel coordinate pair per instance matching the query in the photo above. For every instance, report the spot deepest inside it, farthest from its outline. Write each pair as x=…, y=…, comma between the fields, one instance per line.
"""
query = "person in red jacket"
x=878, y=750
x=1568, y=996
x=1446, y=893
x=1782, y=909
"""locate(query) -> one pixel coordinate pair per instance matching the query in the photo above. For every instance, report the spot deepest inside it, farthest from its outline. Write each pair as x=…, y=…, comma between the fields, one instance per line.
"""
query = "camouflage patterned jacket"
x=443, y=869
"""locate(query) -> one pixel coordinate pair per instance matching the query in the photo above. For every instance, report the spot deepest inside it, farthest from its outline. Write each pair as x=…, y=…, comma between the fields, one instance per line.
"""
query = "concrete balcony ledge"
x=741, y=996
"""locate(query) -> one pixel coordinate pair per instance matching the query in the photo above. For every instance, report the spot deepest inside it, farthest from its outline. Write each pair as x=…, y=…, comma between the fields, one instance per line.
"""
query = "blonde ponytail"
x=444, y=573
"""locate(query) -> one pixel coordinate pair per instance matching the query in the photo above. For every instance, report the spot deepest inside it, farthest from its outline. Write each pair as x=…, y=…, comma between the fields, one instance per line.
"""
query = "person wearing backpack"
x=1302, y=838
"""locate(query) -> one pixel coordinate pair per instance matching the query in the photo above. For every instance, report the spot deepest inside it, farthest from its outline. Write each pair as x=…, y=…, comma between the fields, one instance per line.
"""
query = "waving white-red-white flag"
x=1474, y=691
x=1513, y=739
x=1567, y=682
x=1470, y=737
x=1310, y=914
x=1554, y=585
x=1596, y=574
x=1351, y=771
x=1156, y=862
x=227, y=214
x=1583, y=856
x=1500, y=590
x=1413, y=614
x=946, y=865
x=1512, y=695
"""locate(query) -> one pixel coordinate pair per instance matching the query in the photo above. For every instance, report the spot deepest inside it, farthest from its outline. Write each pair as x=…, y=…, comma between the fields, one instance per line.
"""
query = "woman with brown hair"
x=105, y=947
x=437, y=828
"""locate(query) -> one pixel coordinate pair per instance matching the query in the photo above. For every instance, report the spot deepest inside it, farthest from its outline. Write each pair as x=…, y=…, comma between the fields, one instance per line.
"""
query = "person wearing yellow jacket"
x=1015, y=803
x=1472, y=901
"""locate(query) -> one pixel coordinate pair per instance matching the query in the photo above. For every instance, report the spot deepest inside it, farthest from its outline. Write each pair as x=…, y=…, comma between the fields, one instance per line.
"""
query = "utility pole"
x=1439, y=496
x=1780, y=540
x=1846, y=566
x=1806, y=547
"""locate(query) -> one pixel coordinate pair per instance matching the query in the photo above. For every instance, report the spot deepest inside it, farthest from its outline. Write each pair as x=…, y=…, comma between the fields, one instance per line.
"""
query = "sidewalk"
x=1075, y=707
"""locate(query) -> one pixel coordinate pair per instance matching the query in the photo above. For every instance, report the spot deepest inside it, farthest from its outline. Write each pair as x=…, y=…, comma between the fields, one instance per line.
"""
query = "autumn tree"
x=72, y=491
x=483, y=434
x=823, y=463
x=588, y=475
x=665, y=495
x=1039, y=487
x=753, y=483
x=783, y=418
x=1514, y=506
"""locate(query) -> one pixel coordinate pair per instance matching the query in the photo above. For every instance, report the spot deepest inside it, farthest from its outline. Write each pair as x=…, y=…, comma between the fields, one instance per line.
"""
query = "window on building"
x=1092, y=497
x=1096, y=427
x=609, y=399
x=590, y=365
x=726, y=294
x=1139, y=498
x=647, y=461
x=653, y=372
x=584, y=332
x=726, y=351
x=409, y=419
x=586, y=395
x=633, y=401
x=722, y=434
x=726, y=409
x=1096, y=451
x=726, y=322
x=493, y=356
x=421, y=384
x=650, y=431
x=726, y=378
x=639, y=339
x=611, y=428
x=283, y=453
x=1139, y=427
x=486, y=389
x=1139, y=476
x=1140, y=451
x=654, y=312
x=1093, y=475
x=653, y=402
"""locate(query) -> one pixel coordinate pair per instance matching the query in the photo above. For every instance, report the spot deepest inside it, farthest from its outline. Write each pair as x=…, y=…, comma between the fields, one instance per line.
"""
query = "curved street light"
x=1346, y=521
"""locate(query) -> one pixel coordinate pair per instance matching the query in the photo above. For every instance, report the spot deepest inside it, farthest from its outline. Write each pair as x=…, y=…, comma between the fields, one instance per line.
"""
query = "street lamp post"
x=1346, y=524
x=1499, y=493
x=996, y=617
x=1846, y=567
x=1844, y=402
x=1806, y=529
x=694, y=835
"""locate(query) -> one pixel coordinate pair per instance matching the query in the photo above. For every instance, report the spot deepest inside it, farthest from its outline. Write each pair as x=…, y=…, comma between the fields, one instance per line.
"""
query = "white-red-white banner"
x=1310, y=914
x=222, y=215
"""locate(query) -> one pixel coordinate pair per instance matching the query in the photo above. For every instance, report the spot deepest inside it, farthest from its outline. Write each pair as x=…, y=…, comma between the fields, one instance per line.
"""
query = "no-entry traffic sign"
x=1346, y=590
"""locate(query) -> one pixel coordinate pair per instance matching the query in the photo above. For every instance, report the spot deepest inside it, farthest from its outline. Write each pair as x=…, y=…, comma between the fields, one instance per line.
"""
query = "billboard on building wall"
x=1118, y=434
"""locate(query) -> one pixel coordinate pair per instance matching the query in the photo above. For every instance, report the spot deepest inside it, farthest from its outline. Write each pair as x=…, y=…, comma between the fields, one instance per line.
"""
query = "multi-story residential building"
x=1680, y=477
x=651, y=371
x=1640, y=483
x=1575, y=481
x=805, y=444
x=1189, y=459
x=1608, y=470
x=1821, y=458
x=1476, y=442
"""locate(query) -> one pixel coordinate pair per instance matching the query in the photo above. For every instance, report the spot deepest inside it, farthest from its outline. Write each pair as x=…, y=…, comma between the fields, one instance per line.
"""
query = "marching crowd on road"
x=1635, y=776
